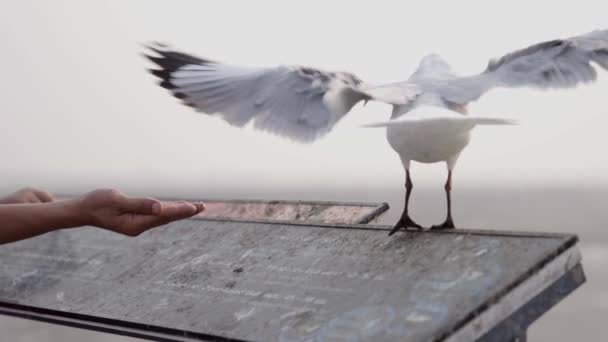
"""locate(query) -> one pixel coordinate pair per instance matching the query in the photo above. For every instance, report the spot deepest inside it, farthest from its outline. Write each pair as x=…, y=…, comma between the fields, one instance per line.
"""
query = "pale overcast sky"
x=79, y=108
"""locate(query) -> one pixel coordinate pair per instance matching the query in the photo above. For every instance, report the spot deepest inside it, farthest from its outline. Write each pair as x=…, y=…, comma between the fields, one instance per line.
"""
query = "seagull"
x=429, y=121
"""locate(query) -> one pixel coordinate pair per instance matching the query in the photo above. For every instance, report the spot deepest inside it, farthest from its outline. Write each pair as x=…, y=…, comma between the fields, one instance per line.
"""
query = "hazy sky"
x=79, y=108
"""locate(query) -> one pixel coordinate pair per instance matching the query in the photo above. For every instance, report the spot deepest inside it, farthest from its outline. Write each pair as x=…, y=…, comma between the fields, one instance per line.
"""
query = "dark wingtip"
x=166, y=84
x=158, y=73
x=168, y=61
x=156, y=47
x=172, y=59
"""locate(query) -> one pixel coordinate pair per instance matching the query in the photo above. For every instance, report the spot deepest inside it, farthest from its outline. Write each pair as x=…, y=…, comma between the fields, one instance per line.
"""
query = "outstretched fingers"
x=139, y=222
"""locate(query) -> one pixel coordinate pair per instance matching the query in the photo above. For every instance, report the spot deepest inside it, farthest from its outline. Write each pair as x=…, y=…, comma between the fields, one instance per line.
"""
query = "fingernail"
x=191, y=206
x=156, y=208
x=200, y=206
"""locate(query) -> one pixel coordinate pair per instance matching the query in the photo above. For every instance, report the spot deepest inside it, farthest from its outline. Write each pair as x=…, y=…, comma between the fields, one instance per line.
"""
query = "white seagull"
x=429, y=121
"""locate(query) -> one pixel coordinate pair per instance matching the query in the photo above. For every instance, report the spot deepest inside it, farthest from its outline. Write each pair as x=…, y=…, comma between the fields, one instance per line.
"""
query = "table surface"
x=294, y=211
x=266, y=281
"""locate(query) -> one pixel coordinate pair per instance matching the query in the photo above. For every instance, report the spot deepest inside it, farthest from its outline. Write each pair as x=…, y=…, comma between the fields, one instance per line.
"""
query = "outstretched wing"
x=295, y=102
x=562, y=63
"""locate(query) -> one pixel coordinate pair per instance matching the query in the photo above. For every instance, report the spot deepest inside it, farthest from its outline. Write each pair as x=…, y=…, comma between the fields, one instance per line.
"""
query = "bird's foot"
x=404, y=222
x=448, y=224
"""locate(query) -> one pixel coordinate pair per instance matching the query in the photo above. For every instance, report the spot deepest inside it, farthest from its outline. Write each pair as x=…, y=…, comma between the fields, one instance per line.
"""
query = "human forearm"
x=104, y=208
x=21, y=221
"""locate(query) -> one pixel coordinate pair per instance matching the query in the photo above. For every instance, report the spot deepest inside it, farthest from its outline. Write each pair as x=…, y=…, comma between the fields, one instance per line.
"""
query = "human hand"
x=115, y=211
x=27, y=195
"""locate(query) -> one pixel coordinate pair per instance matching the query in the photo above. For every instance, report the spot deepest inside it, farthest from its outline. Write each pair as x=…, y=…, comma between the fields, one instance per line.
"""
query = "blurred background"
x=79, y=111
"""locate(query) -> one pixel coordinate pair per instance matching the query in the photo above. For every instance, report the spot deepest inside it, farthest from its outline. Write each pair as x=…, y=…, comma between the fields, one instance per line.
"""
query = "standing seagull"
x=304, y=103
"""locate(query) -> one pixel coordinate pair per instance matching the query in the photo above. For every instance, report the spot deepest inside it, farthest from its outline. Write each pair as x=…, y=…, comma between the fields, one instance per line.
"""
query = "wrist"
x=72, y=214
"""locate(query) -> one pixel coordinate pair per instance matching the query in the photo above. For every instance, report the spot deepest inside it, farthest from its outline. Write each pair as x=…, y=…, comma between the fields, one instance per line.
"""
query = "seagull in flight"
x=429, y=121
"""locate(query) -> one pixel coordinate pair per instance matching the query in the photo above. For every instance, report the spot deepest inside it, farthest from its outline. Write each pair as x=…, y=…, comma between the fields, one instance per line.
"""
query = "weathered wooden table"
x=218, y=279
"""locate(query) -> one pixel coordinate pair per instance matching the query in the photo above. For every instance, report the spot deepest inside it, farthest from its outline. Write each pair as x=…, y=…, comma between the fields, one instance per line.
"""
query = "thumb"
x=171, y=212
x=141, y=205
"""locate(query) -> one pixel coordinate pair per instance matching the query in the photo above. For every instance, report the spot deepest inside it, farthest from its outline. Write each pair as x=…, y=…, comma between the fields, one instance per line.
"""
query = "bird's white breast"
x=429, y=138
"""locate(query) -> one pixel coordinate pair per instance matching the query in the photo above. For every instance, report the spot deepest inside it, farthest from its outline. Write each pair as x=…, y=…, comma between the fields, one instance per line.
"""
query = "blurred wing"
x=563, y=63
x=295, y=102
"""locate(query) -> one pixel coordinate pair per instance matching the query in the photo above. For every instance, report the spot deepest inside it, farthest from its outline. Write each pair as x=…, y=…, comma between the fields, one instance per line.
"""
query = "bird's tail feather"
x=475, y=120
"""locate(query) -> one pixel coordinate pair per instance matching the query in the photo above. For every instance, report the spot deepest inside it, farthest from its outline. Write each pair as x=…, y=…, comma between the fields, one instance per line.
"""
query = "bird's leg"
x=449, y=223
x=405, y=220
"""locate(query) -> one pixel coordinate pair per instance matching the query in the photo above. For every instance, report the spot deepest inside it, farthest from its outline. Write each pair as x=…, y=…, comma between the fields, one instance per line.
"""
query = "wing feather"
x=300, y=103
x=288, y=101
x=560, y=63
